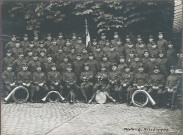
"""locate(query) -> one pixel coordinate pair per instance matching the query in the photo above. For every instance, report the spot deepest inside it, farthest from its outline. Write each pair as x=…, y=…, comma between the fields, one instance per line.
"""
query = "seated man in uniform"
x=9, y=79
x=86, y=81
x=69, y=79
x=40, y=87
x=171, y=87
x=156, y=82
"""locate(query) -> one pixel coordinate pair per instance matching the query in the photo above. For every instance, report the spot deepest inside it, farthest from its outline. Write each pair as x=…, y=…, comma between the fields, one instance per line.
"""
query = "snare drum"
x=101, y=97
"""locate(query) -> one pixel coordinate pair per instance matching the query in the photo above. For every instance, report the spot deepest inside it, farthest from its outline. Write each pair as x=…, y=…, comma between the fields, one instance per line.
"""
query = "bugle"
x=51, y=92
x=13, y=92
x=147, y=95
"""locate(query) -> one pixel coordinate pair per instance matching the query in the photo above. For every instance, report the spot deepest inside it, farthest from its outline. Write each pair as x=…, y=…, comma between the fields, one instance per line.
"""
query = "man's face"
x=68, y=43
x=103, y=37
x=161, y=55
x=60, y=50
x=42, y=54
x=112, y=49
x=103, y=69
x=31, y=45
x=104, y=58
x=49, y=38
x=24, y=68
x=98, y=49
x=137, y=59
x=72, y=50
x=49, y=59
x=172, y=71
x=152, y=59
x=38, y=69
x=35, y=57
x=84, y=51
x=9, y=68
x=78, y=57
x=146, y=54
x=122, y=60
x=139, y=39
x=25, y=38
x=114, y=68
x=91, y=57
x=69, y=69
x=30, y=54
x=36, y=38
x=65, y=59
x=127, y=69
x=141, y=69
x=79, y=41
x=107, y=44
x=116, y=36
x=131, y=55
x=17, y=44
x=170, y=46
x=53, y=68
x=13, y=38
x=127, y=39
x=154, y=46
x=156, y=71
x=86, y=68
x=160, y=36
x=54, y=43
x=94, y=43
x=74, y=37
x=150, y=40
x=20, y=56
x=41, y=45
x=8, y=54
x=60, y=37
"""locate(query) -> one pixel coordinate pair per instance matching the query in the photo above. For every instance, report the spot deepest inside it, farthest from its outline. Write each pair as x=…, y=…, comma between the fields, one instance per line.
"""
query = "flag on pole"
x=87, y=33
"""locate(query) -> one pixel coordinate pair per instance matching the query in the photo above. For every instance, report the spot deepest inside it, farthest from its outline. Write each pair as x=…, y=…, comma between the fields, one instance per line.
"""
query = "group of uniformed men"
x=112, y=66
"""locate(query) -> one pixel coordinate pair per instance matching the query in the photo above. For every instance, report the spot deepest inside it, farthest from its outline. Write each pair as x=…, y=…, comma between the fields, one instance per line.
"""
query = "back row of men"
x=105, y=52
x=106, y=65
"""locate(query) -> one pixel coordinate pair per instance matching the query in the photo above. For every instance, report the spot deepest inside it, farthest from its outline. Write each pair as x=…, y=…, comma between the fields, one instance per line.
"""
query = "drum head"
x=100, y=98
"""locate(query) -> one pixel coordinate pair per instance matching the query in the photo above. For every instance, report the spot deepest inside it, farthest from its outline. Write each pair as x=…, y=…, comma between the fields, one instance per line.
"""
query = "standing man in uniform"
x=10, y=45
x=93, y=64
x=60, y=40
x=162, y=43
x=102, y=42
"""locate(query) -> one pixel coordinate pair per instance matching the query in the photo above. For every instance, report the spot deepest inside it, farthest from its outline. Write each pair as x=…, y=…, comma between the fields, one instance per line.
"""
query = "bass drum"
x=140, y=98
x=101, y=97
x=20, y=95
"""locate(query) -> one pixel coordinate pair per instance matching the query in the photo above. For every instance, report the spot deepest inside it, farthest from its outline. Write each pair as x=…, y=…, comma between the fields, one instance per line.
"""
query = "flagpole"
x=86, y=26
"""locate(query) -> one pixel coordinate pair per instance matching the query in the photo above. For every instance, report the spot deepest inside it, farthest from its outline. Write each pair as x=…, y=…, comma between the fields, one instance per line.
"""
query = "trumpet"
x=48, y=94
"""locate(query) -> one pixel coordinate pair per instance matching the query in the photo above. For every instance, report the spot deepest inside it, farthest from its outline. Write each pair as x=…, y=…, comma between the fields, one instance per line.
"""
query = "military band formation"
x=112, y=66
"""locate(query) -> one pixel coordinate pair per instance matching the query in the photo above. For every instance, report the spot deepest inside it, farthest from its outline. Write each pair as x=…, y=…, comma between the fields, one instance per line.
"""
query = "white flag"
x=87, y=34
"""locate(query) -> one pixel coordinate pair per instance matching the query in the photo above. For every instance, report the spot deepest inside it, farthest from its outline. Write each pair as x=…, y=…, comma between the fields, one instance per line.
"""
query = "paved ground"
x=85, y=119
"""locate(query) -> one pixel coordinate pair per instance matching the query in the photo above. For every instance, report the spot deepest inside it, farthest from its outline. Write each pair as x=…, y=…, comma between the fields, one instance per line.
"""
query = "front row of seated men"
x=119, y=87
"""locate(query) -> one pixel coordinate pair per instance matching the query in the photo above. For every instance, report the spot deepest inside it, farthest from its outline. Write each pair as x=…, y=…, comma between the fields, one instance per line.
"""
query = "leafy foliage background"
x=103, y=16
